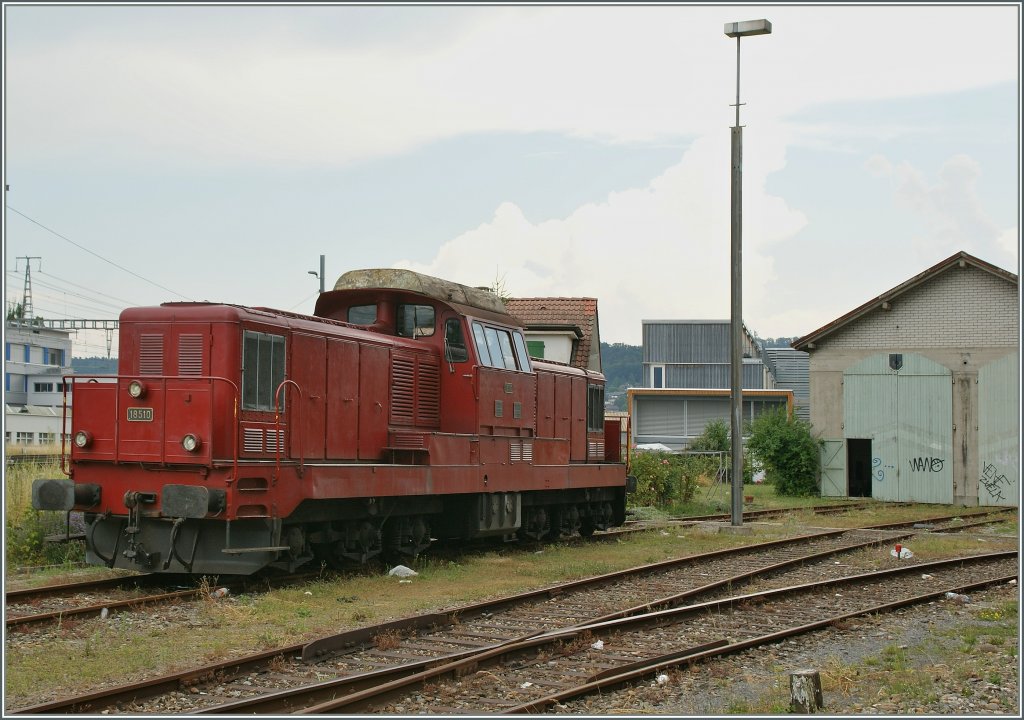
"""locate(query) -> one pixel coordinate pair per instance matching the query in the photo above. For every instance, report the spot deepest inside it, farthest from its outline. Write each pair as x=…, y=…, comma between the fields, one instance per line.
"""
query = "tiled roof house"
x=561, y=329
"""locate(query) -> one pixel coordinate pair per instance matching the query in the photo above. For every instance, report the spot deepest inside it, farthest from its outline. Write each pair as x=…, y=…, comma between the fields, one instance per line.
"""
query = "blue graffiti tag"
x=878, y=469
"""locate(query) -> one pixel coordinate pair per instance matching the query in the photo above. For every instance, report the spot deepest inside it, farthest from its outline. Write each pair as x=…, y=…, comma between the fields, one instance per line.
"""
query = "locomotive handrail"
x=163, y=388
x=277, y=426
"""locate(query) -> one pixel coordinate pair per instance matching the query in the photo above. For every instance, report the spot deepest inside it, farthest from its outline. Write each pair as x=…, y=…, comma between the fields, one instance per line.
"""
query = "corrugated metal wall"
x=676, y=419
x=713, y=376
x=998, y=428
x=791, y=369
x=907, y=413
x=686, y=342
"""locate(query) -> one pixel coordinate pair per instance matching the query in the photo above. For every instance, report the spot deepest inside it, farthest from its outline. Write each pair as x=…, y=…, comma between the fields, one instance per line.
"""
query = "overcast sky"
x=214, y=153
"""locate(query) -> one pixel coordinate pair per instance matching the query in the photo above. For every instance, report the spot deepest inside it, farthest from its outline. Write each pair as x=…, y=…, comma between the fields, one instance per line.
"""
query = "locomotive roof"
x=432, y=287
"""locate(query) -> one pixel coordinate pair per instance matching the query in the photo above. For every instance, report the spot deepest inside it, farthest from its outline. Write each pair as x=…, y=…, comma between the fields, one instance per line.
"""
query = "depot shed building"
x=916, y=392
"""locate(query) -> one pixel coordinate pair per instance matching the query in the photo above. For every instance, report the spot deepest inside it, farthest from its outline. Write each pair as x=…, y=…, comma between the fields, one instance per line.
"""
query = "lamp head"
x=748, y=27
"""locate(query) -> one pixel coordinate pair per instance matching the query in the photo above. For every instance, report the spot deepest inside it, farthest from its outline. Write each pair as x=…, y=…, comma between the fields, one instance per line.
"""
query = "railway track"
x=90, y=598
x=408, y=646
x=78, y=600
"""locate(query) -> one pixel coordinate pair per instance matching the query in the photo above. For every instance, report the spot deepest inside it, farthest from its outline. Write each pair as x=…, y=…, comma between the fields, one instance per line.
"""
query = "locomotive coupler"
x=133, y=500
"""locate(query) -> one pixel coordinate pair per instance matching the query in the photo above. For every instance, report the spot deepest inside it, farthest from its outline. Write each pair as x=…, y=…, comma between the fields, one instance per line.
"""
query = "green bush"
x=662, y=478
x=784, y=446
x=26, y=544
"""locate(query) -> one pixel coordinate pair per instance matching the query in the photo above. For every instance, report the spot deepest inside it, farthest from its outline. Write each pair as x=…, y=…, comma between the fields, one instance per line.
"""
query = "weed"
x=387, y=640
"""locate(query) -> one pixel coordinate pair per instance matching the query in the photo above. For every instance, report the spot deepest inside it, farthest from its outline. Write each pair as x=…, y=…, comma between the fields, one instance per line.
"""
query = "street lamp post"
x=738, y=30
x=321, y=275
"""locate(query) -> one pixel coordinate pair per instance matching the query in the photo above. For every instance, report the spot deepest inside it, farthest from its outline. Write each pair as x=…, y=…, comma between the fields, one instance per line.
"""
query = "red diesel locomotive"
x=407, y=408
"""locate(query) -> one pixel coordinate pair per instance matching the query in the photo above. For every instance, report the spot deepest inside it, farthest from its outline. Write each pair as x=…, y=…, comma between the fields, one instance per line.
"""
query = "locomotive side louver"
x=252, y=440
x=521, y=451
x=190, y=355
x=151, y=355
x=415, y=391
x=403, y=390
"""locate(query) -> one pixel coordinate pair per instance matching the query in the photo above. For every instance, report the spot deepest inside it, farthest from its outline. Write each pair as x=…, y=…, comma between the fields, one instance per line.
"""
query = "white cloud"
x=661, y=251
x=279, y=94
x=949, y=206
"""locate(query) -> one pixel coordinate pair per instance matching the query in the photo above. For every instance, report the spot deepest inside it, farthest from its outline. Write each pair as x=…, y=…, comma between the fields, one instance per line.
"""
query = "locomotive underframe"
x=341, y=532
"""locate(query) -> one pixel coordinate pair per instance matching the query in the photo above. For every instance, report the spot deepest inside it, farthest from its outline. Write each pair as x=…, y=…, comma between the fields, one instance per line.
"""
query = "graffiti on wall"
x=878, y=469
x=994, y=481
x=926, y=464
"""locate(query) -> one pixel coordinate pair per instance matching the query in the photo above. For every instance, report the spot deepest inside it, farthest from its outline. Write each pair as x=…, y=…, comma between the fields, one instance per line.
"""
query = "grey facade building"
x=916, y=392
x=686, y=382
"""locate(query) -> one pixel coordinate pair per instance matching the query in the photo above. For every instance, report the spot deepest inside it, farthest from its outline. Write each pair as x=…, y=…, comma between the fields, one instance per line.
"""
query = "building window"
x=47, y=438
x=53, y=356
x=262, y=369
x=24, y=438
x=657, y=376
x=43, y=387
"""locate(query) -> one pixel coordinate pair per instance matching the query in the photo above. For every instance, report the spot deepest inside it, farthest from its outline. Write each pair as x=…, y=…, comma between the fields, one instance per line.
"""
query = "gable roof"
x=960, y=259
x=559, y=313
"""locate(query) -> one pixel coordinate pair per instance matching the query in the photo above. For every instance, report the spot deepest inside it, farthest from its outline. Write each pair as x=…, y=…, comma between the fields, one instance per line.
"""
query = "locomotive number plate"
x=140, y=414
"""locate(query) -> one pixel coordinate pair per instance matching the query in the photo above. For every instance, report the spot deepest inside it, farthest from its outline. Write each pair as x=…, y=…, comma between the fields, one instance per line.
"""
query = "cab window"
x=454, y=342
x=521, y=352
x=496, y=348
x=415, y=320
x=362, y=314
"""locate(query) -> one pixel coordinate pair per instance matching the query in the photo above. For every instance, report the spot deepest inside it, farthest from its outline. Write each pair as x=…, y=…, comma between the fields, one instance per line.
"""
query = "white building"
x=36, y=359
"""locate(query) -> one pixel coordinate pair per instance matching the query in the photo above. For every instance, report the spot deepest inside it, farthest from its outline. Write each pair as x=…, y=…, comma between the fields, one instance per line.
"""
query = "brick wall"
x=961, y=307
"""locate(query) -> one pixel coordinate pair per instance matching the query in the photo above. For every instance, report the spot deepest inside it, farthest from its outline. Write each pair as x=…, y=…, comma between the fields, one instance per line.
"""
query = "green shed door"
x=998, y=428
x=833, y=468
x=535, y=348
x=903, y=402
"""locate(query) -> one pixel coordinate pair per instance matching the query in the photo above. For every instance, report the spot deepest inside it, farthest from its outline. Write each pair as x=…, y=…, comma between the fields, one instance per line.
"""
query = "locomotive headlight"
x=136, y=389
x=191, y=442
x=82, y=439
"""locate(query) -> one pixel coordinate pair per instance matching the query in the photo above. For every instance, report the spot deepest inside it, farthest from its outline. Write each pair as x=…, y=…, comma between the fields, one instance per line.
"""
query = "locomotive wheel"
x=406, y=537
x=353, y=543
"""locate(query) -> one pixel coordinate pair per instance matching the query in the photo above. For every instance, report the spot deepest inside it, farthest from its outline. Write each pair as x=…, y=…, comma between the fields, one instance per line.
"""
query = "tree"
x=784, y=446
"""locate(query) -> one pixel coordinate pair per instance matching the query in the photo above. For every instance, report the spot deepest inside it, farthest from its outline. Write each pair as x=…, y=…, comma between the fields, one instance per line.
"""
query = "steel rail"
x=939, y=518
x=346, y=640
x=363, y=700
x=95, y=609
x=80, y=586
x=616, y=677
x=284, y=700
